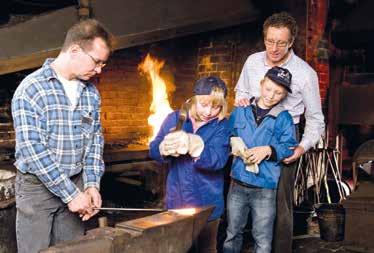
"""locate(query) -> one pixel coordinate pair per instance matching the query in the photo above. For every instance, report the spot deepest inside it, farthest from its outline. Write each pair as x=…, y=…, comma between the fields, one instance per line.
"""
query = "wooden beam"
x=26, y=45
x=30, y=61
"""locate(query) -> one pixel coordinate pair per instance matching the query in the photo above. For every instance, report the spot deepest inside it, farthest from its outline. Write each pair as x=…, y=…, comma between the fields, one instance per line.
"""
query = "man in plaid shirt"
x=59, y=142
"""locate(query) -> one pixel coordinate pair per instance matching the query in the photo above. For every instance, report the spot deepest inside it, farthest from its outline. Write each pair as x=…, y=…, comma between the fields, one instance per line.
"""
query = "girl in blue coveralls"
x=196, y=155
x=264, y=135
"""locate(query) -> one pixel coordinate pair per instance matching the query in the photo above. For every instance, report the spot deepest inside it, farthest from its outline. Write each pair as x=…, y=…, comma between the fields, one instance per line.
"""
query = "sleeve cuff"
x=273, y=156
x=92, y=184
x=68, y=191
x=91, y=181
x=306, y=144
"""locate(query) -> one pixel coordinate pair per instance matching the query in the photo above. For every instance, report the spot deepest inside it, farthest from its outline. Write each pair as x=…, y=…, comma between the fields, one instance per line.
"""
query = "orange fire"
x=160, y=106
x=184, y=211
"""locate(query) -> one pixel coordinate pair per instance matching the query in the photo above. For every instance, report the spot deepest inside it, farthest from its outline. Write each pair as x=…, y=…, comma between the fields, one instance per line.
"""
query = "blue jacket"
x=276, y=130
x=196, y=183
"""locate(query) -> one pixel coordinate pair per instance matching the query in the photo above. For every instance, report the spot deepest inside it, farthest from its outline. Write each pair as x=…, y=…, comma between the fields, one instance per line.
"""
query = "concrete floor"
x=312, y=244
x=308, y=243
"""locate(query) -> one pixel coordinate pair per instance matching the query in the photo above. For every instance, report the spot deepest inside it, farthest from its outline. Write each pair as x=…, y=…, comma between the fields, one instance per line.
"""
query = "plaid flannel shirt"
x=55, y=141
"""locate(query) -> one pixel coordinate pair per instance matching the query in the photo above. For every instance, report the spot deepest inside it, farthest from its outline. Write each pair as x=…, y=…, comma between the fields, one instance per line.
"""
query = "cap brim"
x=280, y=83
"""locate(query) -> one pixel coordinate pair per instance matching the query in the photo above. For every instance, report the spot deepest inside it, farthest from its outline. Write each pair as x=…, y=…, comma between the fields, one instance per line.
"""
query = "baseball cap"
x=205, y=85
x=281, y=76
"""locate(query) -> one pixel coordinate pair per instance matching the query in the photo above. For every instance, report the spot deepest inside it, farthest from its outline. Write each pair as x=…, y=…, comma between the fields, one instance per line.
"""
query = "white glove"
x=196, y=145
x=238, y=148
x=166, y=150
x=174, y=144
x=251, y=167
x=177, y=142
x=180, y=143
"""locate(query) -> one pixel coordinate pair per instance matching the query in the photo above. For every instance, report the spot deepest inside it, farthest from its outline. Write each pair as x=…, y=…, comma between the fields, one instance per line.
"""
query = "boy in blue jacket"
x=196, y=155
x=263, y=135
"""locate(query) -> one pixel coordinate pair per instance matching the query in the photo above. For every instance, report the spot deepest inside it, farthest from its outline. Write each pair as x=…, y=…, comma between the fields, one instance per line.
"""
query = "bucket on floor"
x=301, y=219
x=331, y=221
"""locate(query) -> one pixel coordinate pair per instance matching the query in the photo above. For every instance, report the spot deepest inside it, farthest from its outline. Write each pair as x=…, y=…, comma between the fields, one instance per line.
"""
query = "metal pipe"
x=130, y=209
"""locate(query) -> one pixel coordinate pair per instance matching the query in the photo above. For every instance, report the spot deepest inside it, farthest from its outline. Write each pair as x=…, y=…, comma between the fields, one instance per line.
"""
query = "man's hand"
x=242, y=102
x=96, y=201
x=298, y=151
x=80, y=204
x=257, y=154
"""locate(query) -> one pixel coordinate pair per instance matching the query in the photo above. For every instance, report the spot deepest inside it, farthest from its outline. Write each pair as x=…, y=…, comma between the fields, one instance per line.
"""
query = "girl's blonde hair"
x=216, y=97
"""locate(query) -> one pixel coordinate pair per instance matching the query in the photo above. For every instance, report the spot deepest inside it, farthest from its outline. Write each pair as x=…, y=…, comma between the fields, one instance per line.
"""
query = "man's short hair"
x=281, y=19
x=84, y=32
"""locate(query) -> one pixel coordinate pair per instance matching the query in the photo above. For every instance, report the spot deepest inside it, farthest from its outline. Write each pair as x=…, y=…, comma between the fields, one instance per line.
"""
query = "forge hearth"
x=132, y=179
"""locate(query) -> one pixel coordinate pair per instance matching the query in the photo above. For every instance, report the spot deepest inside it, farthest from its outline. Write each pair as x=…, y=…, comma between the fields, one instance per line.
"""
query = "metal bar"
x=130, y=209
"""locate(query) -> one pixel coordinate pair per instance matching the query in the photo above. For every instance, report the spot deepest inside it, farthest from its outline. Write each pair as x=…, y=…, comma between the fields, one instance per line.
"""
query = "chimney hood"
x=26, y=45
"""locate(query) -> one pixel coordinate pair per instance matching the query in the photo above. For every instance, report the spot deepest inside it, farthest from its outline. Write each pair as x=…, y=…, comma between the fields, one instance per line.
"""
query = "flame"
x=185, y=211
x=160, y=106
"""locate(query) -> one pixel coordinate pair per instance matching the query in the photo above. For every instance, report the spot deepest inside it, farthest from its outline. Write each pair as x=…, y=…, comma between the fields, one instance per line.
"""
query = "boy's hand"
x=257, y=154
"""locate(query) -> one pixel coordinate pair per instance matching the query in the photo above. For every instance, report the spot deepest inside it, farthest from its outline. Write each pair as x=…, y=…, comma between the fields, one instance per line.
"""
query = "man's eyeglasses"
x=279, y=43
x=98, y=63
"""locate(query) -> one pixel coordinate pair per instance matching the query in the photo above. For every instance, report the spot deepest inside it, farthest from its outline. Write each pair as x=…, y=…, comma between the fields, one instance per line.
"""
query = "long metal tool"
x=130, y=209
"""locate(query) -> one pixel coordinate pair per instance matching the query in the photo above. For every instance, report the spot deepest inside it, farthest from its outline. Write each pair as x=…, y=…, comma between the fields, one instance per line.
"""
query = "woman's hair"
x=216, y=97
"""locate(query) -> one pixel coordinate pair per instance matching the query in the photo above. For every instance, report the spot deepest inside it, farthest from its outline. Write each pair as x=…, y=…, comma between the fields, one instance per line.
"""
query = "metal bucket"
x=8, y=243
x=302, y=216
x=331, y=221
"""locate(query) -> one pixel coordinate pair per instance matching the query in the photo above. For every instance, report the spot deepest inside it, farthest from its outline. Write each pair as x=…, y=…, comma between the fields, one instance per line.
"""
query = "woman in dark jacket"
x=196, y=155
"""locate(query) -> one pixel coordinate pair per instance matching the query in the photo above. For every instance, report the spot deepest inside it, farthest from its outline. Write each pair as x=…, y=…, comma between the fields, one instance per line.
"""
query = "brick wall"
x=125, y=98
x=223, y=53
x=317, y=46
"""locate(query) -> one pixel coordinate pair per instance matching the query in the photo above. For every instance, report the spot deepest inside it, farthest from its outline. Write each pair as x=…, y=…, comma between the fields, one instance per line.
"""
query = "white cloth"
x=196, y=145
x=71, y=89
x=305, y=92
x=238, y=148
x=180, y=143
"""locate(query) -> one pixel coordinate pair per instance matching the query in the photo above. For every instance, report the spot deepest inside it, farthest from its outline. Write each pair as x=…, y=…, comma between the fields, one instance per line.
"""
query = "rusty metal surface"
x=166, y=232
x=359, y=217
